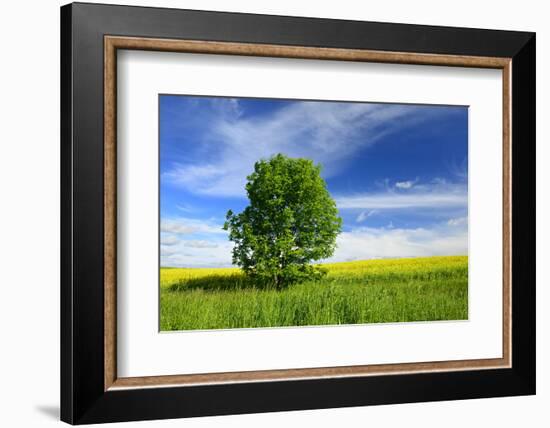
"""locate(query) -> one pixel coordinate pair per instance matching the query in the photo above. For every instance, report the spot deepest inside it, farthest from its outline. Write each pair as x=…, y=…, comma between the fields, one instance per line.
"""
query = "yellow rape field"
x=357, y=292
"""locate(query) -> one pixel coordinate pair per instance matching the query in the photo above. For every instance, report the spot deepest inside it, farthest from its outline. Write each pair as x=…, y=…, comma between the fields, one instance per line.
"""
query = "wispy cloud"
x=168, y=240
x=188, y=226
x=174, y=227
x=445, y=238
x=367, y=243
x=394, y=201
x=433, y=196
x=459, y=169
x=191, y=242
x=363, y=215
x=329, y=133
x=406, y=184
x=457, y=221
x=167, y=251
x=203, y=253
x=384, y=201
x=186, y=208
x=200, y=244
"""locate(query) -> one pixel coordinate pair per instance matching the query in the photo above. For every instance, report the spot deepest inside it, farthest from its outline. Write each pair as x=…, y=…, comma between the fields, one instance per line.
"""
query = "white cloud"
x=200, y=244
x=187, y=226
x=363, y=215
x=329, y=133
x=210, y=248
x=186, y=208
x=459, y=221
x=436, y=196
x=405, y=184
x=214, y=253
x=174, y=227
x=460, y=170
x=358, y=244
x=164, y=251
x=368, y=243
x=228, y=108
x=168, y=240
x=439, y=181
x=383, y=201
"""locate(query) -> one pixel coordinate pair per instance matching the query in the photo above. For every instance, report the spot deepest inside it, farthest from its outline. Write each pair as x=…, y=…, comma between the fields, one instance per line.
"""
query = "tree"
x=290, y=222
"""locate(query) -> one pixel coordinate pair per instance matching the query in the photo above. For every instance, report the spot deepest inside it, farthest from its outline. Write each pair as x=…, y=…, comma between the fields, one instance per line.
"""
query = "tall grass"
x=374, y=291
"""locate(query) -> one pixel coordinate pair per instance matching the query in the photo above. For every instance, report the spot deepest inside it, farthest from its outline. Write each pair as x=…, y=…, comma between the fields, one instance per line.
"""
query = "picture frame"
x=91, y=390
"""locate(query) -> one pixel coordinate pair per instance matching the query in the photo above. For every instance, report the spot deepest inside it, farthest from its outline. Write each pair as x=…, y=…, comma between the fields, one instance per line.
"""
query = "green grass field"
x=373, y=291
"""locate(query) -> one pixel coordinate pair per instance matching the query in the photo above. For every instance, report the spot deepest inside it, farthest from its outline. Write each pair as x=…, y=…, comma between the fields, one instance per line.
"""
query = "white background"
x=29, y=226
x=142, y=351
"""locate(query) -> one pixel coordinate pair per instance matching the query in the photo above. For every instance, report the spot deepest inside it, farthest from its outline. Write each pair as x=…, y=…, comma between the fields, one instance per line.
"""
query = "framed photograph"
x=266, y=213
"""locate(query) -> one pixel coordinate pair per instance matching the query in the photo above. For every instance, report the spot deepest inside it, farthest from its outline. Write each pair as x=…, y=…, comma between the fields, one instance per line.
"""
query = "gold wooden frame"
x=113, y=43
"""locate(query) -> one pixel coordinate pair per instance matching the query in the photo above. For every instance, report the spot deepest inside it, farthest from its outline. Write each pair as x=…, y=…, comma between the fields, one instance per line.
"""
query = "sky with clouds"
x=397, y=172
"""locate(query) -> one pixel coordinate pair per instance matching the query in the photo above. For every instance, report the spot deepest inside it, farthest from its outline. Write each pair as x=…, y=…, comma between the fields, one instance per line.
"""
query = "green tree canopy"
x=290, y=222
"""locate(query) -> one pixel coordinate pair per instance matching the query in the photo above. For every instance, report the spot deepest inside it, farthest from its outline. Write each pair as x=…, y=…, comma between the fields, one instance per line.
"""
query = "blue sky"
x=398, y=172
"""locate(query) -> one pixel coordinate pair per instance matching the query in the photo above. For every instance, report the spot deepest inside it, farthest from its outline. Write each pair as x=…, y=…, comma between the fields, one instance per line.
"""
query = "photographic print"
x=332, y=207
x=287, y=213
